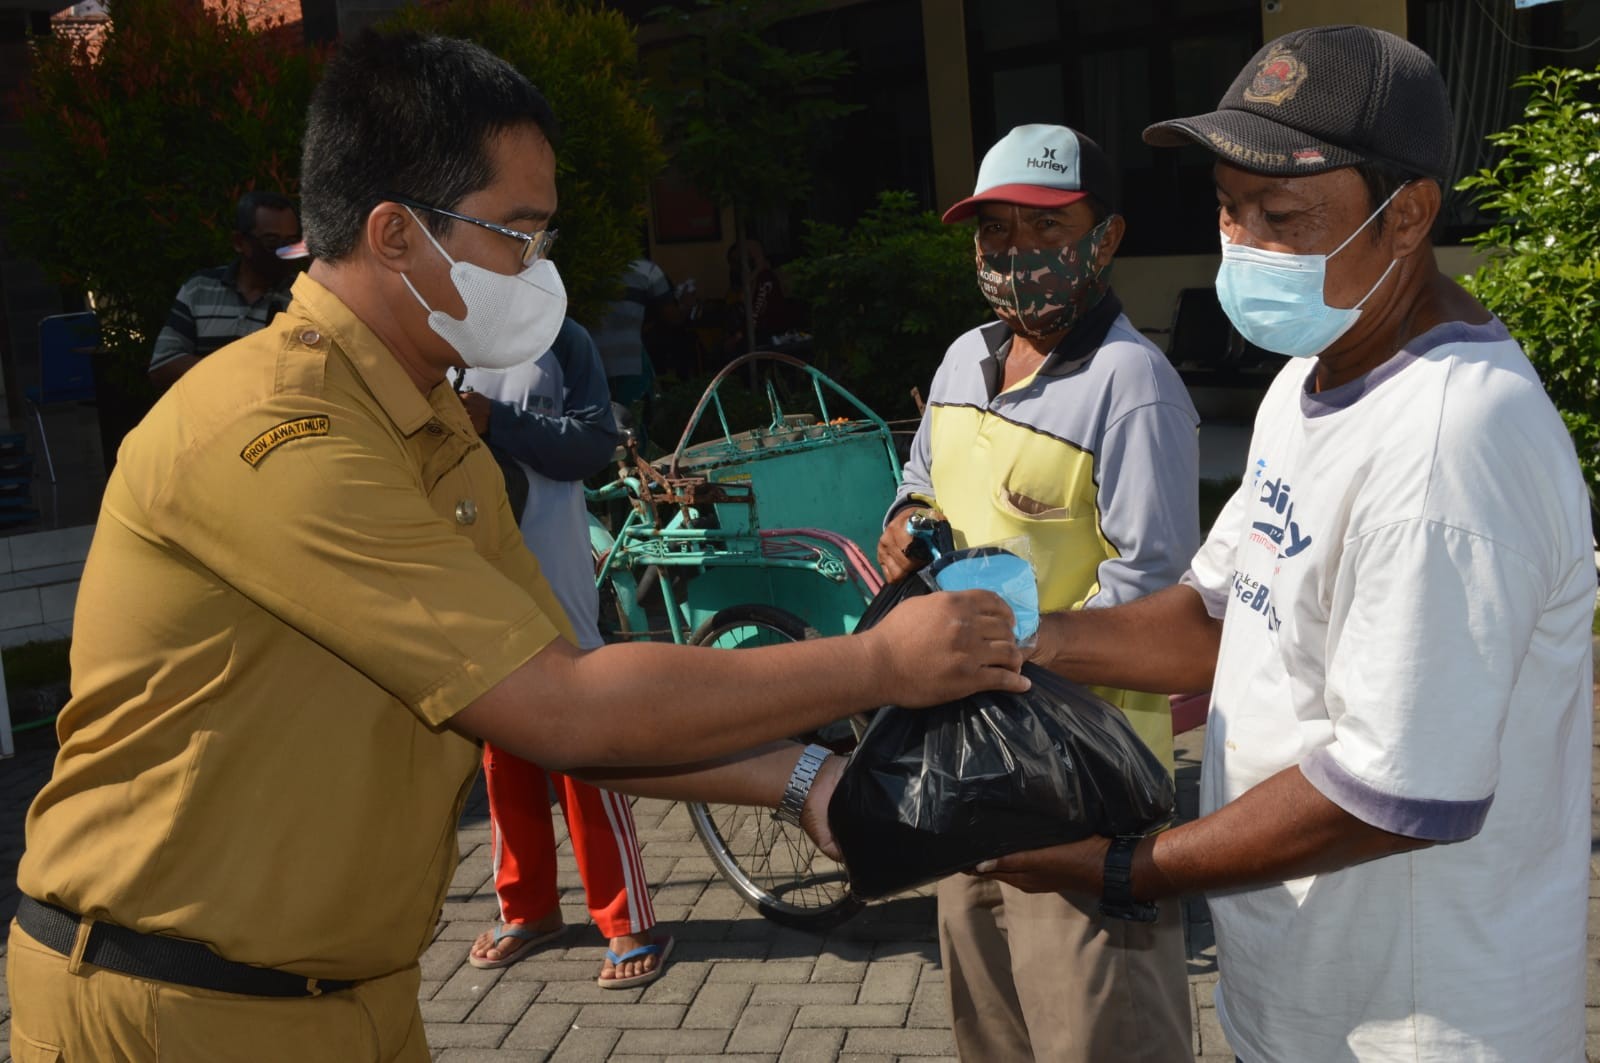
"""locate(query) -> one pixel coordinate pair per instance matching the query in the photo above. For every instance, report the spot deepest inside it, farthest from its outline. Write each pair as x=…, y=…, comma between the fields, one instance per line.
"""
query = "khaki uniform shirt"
x=302, y=569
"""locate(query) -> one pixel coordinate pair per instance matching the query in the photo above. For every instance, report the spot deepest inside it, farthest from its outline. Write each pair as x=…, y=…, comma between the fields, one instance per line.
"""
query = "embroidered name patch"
x=279, y=434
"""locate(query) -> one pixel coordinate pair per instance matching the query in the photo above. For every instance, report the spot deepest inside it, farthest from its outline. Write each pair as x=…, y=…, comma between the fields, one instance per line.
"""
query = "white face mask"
x=511, y=318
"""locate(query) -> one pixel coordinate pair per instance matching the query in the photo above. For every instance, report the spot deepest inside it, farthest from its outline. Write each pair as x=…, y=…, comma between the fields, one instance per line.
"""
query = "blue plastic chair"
x=66, y=368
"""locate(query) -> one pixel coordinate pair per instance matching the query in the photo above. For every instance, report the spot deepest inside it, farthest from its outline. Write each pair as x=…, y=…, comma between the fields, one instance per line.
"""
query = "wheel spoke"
x=781, y=860
x=774, y=866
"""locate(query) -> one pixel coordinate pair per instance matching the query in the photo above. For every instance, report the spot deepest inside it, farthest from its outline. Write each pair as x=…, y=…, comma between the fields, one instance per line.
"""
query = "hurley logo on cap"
x=1047, y=161
x=1277, y=79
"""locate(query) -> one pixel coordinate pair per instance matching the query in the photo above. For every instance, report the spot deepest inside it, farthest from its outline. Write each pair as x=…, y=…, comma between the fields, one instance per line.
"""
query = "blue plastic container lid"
x=993, y=568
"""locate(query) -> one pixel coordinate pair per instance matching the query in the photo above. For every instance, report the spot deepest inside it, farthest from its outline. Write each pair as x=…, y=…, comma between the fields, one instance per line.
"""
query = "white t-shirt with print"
x=1407, y=583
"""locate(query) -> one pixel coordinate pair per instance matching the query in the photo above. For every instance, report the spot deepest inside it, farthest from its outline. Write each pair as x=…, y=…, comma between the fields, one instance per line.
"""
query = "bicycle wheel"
x=775, y=867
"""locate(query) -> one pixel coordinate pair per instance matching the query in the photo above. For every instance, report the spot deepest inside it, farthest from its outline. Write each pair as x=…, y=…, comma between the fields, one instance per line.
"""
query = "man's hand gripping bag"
x=930, y=792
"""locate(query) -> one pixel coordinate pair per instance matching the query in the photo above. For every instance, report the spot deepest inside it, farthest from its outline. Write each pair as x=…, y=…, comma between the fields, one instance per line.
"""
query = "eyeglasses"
x=535, y=246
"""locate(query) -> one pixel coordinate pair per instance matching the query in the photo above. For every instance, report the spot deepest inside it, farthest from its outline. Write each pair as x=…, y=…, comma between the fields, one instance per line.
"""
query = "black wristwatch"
x=1116, y=892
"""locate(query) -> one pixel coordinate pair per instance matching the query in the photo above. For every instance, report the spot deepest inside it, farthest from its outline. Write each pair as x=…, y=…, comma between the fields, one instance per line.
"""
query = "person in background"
x=668, y=340
x=1060, y=424
x=1393, y=612
x=770, y=309
x=549, y=423
x=646, y=293
x=217, y=306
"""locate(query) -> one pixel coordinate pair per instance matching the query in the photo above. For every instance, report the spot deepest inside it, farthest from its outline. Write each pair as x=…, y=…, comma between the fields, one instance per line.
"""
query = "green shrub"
x=1543, y=274
x=585, y=62
x=36, y=677
x=137, y=154
x=677, y=399
x=139, y=151
x=887, y=298
x=33, y=664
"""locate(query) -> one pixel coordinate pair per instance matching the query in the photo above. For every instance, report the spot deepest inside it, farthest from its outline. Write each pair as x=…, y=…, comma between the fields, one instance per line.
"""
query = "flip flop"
x=663, y=949
x=533, y=939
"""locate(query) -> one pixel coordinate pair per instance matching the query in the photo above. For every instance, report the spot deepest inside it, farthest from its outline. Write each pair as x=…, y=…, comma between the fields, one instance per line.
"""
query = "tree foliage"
x=887, y=297
x=585, y=62
x=137, y=153
x=139, y=150
x=742, y=112
x=1542, y=277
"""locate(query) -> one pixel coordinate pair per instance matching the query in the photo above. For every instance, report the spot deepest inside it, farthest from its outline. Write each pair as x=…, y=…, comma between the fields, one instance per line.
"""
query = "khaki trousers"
x=1044, y=977
x=92, y=1015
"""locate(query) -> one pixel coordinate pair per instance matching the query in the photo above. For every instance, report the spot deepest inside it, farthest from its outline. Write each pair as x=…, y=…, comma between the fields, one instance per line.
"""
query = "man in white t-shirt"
x=1393, y=612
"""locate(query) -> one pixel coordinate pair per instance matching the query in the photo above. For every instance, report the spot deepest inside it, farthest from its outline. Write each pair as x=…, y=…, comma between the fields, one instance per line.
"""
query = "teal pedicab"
x=753, y=538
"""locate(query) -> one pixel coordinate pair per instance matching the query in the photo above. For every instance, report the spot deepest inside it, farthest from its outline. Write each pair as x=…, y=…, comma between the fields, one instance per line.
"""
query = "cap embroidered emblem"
x=1277, y=79
x=1308, y=157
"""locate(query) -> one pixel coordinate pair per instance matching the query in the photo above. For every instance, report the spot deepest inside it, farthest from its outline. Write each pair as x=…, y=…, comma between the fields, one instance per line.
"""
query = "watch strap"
x=1116, y=891
x=800, y=780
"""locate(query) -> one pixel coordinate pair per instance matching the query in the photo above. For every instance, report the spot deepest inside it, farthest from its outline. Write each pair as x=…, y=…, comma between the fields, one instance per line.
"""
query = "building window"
x=1110, y=70
x=887, y=143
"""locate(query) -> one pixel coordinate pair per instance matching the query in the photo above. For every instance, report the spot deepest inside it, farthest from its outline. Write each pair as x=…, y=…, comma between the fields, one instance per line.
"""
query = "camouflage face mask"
x=1043, y=292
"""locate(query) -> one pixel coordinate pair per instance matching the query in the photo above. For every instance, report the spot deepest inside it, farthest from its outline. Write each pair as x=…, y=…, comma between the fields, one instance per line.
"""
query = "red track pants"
x=603, y=841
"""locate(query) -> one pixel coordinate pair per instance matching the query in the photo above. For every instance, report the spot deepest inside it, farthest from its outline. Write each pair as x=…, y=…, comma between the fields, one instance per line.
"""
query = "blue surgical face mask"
x=1275, y=299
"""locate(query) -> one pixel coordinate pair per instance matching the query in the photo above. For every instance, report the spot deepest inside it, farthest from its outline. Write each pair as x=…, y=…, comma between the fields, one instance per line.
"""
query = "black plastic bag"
x=930, y=792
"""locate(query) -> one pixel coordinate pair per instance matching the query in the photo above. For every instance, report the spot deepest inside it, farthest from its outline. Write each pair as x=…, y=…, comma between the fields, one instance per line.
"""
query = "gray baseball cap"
x=1046, y=166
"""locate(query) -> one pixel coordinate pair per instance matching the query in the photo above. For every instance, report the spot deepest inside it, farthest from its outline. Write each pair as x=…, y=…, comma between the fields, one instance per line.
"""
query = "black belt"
x=162, y=959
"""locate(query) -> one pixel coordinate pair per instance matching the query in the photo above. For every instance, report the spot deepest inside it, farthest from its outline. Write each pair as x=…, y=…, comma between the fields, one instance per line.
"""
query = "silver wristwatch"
x=805, y=773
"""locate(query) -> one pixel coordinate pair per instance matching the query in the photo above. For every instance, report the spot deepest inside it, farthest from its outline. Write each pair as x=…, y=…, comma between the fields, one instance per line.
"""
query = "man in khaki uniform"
x=307, y=598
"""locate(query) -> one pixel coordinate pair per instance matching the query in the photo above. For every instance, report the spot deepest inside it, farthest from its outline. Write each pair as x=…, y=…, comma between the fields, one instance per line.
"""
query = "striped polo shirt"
x=210, y=313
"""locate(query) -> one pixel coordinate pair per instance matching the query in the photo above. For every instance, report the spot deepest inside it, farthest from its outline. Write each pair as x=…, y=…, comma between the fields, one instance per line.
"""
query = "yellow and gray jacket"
x=1094, y=459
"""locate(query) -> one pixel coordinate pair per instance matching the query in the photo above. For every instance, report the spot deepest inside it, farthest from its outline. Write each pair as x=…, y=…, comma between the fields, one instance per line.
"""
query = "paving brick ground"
x=739, y=989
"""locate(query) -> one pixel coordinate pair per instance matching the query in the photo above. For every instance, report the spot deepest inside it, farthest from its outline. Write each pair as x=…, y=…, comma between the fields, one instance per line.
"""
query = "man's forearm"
x=653, y=704
x=1165, y=642
x=1282, y=829
x=756, y=777
x=571, y=446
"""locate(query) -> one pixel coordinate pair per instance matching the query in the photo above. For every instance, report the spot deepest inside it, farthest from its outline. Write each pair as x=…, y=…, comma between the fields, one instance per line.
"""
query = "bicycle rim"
x=775, y=867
